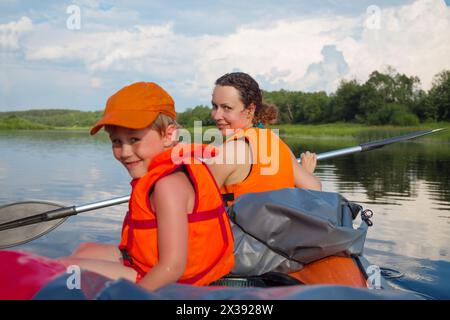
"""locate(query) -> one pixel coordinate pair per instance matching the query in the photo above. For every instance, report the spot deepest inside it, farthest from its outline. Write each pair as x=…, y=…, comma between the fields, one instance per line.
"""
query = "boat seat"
x=270, y=279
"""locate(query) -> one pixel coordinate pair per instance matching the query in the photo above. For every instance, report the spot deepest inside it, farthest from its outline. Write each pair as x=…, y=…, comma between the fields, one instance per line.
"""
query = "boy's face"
x=135, y=148
x=228, y=110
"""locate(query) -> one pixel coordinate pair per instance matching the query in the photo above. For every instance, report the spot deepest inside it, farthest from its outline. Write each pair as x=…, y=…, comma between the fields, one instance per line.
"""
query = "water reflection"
x=428, y=277
x=70, y=168
x=387, y=173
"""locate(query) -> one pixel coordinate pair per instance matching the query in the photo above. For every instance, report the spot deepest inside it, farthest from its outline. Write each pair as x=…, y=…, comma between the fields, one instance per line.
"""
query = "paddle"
x=25, y=221
x=22, y=222
x=373, y=145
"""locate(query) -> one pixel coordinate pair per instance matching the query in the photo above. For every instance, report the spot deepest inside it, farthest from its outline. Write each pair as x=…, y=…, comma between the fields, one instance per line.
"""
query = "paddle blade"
x=23, y=234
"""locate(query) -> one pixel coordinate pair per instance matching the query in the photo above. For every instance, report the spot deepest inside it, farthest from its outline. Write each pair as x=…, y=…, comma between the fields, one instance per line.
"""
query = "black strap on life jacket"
x=227, y=197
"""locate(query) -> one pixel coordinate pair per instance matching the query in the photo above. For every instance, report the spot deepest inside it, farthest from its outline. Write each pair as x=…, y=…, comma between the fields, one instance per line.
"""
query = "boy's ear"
x=170, y=135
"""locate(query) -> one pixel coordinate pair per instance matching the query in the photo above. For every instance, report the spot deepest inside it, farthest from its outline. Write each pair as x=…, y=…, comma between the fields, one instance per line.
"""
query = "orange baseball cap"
x=136, y=106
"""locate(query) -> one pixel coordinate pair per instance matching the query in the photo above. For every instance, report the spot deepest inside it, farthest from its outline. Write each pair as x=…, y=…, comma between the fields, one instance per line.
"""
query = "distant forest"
x=388, y=98
x=48, y=118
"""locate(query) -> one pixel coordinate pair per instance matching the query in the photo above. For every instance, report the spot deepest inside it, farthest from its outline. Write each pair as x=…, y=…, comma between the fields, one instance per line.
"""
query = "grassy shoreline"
x=361, y=132
x=348, y=131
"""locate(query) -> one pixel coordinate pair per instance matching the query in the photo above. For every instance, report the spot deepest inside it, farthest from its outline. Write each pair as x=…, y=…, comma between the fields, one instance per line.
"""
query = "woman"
x=253, y=159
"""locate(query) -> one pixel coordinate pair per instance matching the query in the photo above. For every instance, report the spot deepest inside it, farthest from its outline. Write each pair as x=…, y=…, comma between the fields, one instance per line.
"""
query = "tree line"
x=48, y=118
x=388, y=98
x=385, y=98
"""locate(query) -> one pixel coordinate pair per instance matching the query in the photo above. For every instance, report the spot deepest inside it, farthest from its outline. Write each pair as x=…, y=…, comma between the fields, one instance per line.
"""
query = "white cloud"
x=10, y=33
x=287, y=53
x=107, y=50
x=282, y=52
x=92, y=4
x=96, y=82
x=332, y=66
x=412, y=38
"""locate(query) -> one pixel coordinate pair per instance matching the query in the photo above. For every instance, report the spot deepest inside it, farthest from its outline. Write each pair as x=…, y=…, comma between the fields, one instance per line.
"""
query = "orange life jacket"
x=271, y=168
x=210, y=240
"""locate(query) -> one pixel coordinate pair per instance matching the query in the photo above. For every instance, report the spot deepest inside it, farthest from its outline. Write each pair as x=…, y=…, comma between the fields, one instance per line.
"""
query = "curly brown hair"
x=249, y=93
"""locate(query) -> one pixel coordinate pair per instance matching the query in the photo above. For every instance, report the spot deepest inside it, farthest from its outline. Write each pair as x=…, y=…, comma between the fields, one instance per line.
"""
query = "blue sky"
x=186, y=45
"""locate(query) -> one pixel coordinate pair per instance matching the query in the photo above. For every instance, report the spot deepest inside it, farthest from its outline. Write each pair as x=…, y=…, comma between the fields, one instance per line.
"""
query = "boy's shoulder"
x=173, y=182
x=174, y=191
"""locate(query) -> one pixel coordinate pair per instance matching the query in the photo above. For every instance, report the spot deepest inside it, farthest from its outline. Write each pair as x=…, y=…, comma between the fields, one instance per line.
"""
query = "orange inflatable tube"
x=332, y=270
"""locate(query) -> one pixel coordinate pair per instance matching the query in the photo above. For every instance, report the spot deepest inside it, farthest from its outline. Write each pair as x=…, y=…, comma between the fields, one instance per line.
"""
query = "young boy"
x=176, y=229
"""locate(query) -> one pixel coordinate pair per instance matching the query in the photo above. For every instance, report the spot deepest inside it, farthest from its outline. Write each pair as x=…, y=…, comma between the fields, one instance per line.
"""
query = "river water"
x=406, y=185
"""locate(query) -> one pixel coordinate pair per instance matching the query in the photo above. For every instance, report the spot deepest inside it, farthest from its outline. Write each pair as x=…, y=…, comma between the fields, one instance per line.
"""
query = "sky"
x=75, y=54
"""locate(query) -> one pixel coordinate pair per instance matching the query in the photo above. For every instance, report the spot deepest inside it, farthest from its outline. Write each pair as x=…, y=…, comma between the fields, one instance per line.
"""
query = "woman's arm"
x=304, y=179
x=173, y=198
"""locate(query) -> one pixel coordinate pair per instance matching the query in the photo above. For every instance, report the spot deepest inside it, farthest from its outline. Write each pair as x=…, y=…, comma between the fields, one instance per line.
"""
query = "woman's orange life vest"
x=210, y=240
x=271, y=168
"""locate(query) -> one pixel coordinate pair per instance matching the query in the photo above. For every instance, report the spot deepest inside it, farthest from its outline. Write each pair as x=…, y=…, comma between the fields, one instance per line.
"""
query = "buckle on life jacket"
x=126, y=256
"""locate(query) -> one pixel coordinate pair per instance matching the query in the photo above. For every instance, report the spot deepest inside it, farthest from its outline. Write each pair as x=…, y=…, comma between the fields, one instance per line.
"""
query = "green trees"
x=315, y=106
x=288, y=103
x=345, y=104
x=12, y=122
x=438, y=101
x=389, y=99
x=56, y=117
x=199, y=113
x=297, y=106
x=385, y=98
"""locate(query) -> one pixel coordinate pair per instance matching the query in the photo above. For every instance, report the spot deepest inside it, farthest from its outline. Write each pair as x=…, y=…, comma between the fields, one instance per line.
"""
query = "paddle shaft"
x=70, y=211
x=62, y=213
x=373, y=145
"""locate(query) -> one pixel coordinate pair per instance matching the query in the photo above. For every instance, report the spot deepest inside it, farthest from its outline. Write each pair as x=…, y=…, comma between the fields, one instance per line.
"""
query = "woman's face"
x=228, y=110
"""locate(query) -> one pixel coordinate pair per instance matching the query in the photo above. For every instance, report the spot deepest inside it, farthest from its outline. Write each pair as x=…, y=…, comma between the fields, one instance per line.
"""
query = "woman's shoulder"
x=236, y=149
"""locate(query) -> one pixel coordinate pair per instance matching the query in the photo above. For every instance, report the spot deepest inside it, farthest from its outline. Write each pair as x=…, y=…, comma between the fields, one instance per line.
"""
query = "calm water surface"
x=406, y=185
